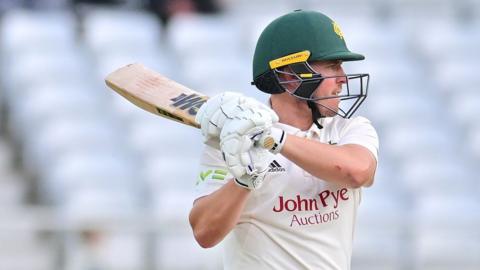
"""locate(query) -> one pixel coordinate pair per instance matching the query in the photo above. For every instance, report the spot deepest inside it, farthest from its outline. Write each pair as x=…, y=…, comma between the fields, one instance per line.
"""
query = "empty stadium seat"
x=193, y=35
x=472, y=144
x=21, y=28
x=107, y=29
x=445, y=230
x=169, y=243
x=90, y=170
x=407, y=140
x=438, y=174
x=464, y=107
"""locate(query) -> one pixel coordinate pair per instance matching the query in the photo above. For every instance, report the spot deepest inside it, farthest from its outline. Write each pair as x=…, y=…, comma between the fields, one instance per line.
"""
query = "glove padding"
x=221, y=108
x=245, y=161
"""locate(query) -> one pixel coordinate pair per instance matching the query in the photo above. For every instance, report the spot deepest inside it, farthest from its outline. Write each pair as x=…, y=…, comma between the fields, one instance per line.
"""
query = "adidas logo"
x=275, y=167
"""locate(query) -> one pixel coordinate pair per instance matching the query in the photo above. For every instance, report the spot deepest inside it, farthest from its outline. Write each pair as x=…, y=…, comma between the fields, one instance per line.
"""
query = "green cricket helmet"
x=289, y=43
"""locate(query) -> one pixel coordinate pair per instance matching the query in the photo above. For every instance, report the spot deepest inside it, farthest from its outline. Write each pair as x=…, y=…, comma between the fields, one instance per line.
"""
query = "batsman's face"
x=330, y=87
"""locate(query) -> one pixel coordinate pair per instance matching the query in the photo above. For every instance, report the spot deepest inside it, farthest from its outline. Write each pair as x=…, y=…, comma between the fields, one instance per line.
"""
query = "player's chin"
x=329, y=113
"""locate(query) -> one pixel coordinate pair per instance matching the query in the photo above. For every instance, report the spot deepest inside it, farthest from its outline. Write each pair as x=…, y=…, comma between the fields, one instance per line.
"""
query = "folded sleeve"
x=360, y=131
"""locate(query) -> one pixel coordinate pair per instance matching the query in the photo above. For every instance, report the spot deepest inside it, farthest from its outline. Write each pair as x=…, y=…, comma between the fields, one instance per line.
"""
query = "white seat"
x=398, y=105
x=193, y=34
x=379, y=241
x=156, y=60
x=90, y=171
x=106, y=213
x=167, y=172
x=473, y=144
x=444, y=252
x=377, y=251
x=171, y=210
x=465, y=107
x=132, y=30
x=98, y=249
x=386, y=178
x=446, y=231
x=151, y=135
x=55, y=139
x=406, y=140
x=437, y=174
x=22, y=28
x=34, y=109
x=181, y=238
x=447, y=213
x=456, y=76
x=61, y=67
x=91, y=206
x=462, y=41
x=252, y=26
x=23, y=247
x=211, y=76
x=171, y=206
x=37, y=257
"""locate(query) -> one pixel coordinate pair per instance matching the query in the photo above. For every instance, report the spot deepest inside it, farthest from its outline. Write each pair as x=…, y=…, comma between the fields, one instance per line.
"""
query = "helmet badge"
x=337, y=29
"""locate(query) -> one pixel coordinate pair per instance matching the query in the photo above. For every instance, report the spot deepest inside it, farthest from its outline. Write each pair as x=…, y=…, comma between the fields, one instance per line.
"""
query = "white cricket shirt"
x=295, y=220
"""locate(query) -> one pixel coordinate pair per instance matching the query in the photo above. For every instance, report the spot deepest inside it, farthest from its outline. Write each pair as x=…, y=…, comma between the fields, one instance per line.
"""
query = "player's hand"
x=245, y=159
x=246, y=162
x=221, y=108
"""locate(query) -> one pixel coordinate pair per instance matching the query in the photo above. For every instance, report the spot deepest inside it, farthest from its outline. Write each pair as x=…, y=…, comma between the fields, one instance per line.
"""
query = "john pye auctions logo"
x=325, y=199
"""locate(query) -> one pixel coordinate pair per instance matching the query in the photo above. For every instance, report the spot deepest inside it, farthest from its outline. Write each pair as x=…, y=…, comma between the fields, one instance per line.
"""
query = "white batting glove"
x=245, y=161
x=223, y=107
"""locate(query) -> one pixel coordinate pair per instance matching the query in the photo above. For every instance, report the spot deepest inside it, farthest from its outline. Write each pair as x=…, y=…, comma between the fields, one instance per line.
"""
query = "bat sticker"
x=191, y=103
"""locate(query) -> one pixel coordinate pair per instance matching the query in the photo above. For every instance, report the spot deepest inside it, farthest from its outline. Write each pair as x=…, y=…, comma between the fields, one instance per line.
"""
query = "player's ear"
x=287, y=79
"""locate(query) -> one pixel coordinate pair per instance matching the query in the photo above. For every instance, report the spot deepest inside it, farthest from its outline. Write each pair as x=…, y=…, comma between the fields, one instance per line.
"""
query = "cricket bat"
x=159, y=95
x=156, y=93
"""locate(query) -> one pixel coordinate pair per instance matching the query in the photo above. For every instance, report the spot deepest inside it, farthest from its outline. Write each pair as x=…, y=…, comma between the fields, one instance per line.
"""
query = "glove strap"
x=253, y=183
x=274, y=140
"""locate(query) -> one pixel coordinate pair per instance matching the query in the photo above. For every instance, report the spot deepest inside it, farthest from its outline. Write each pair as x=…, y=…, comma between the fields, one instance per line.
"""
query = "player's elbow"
x=204, y=238
x=361, y=176
x=203, y=233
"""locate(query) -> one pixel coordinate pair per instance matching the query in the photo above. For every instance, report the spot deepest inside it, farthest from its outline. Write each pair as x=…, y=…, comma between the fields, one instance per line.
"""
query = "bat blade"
x=156, y=93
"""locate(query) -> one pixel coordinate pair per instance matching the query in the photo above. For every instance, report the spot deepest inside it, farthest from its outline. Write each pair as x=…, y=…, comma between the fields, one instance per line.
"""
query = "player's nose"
x=342, y=78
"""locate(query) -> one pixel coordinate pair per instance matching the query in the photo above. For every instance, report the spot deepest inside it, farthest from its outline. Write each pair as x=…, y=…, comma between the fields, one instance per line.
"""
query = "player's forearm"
x=332, y=163
x=214, y=216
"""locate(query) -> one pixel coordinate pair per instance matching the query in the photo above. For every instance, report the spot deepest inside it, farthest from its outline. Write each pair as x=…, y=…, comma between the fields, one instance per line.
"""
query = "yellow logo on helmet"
x=290, y=59
x=337, y=29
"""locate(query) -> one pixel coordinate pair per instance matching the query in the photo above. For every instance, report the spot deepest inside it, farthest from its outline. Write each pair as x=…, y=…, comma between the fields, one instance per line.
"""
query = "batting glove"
x=245, y=160
x=221, y=108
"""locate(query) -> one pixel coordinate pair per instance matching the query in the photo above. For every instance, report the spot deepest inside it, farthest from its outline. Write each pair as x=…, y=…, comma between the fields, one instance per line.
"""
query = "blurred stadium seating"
x=88, y=180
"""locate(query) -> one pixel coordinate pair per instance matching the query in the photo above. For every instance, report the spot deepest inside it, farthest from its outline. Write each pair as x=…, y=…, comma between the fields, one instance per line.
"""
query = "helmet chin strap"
x=315, y=113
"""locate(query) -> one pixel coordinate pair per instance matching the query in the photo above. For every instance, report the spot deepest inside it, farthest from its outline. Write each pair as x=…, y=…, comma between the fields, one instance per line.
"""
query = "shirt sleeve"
x=213, y=172
x=360, y=131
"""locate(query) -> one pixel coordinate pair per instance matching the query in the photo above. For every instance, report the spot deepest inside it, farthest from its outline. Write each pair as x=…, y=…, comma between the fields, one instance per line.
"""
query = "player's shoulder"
x=341, y=123
x=355, y=125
